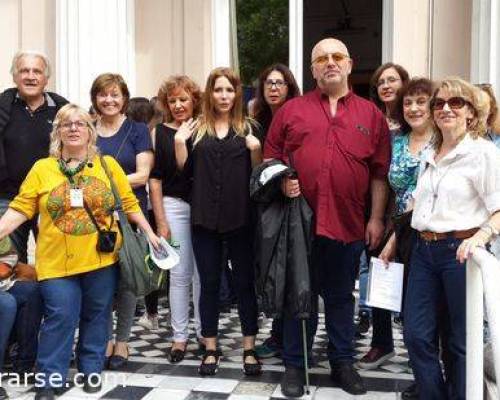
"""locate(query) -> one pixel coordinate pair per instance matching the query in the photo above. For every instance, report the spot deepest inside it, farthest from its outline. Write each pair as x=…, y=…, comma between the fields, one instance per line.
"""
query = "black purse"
x=405, y=237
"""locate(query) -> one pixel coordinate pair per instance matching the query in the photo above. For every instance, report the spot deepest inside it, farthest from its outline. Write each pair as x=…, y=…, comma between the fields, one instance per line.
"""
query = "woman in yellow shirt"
x=77, y=276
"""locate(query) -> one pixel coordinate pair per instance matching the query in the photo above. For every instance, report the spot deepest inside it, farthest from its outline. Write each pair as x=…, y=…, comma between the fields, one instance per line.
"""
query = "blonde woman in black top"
x=224, y=150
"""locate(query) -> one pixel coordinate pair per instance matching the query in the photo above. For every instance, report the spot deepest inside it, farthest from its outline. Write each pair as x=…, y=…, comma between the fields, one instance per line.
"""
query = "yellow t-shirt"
x=67, y=238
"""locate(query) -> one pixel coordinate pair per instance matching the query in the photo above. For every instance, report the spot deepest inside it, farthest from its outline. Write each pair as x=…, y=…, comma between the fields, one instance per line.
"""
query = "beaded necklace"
x=68, y=171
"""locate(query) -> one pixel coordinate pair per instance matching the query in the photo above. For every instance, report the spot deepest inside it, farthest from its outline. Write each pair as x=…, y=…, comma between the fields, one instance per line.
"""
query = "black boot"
x=348, y=378
x=410, y=393
x=45, y=394
x=292, y=384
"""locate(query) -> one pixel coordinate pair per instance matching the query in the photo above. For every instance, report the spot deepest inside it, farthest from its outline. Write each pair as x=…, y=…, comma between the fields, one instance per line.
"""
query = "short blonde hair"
x=476, y=101
x=70, y=110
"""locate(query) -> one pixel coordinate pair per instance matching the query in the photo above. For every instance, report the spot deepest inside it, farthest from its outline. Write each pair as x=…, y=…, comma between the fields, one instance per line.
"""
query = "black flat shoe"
x=207, y=369
x=177, y=355
x=117, y=362
x=249, y=368
x=45, y=394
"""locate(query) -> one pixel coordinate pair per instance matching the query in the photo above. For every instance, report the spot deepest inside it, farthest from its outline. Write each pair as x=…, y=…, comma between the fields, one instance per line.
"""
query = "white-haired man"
x=26, y=115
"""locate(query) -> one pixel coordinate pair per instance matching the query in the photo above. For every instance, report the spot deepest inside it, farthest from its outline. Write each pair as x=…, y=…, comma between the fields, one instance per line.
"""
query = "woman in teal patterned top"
x=408, y=144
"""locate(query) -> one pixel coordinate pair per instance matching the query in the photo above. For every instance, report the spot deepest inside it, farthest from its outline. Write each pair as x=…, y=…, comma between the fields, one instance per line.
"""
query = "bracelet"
x=488, y=226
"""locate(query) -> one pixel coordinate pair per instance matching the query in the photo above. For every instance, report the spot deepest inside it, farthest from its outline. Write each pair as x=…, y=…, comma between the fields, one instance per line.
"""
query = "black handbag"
x=137, y=273
x=405, y=237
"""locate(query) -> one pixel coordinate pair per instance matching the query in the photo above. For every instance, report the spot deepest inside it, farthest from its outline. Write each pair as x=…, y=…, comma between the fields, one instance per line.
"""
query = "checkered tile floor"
x=149, y=376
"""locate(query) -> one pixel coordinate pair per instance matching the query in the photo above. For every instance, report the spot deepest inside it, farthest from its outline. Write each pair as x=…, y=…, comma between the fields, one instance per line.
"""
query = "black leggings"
x=207, y=246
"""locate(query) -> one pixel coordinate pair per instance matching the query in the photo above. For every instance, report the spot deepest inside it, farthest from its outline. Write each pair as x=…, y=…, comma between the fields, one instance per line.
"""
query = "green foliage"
x=262, y=35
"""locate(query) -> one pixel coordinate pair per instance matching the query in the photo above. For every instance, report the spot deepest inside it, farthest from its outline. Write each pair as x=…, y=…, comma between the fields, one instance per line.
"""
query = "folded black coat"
x=284, y=235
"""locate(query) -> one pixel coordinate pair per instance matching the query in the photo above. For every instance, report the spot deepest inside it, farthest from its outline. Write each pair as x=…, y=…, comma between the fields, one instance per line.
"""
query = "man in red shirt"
x=340, y=146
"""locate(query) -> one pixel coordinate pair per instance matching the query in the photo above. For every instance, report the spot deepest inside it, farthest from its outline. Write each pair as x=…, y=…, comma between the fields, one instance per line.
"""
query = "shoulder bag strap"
x=118, y=200
x=123, y=142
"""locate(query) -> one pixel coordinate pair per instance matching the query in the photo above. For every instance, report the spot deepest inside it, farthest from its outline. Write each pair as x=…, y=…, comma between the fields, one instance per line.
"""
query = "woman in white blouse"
x=457, y=204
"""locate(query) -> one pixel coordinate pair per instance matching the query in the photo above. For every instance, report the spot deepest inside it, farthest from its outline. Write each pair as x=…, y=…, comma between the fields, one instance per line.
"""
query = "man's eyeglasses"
x=390, y=81
x=279, y=83
x=68, y=125
x=455, y=103
x=336, y=57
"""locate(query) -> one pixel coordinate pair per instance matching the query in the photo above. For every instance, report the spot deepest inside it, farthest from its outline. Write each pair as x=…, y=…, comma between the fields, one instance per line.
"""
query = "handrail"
x=483, y=278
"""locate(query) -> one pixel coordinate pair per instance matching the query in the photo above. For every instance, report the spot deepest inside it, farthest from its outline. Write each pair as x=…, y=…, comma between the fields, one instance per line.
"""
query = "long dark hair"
x=403, y=74
x=261, y=111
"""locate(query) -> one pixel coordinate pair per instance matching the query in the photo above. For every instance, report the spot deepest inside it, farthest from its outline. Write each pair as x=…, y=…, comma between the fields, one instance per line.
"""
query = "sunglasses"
x=336, y=57
x=455, y=103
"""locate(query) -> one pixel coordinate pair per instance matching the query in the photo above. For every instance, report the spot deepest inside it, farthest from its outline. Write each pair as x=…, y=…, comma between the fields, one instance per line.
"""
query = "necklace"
x=435, y=190
x=68, y=171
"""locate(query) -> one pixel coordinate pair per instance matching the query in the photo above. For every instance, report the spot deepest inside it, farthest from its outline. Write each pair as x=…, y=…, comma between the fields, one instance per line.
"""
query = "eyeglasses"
x=391, y=80
x=336, y=57
x=279, y=83
x=455, y=103
x=68, y=125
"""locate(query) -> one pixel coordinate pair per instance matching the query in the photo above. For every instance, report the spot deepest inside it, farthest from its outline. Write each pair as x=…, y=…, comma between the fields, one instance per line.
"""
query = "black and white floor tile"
x=149, y=376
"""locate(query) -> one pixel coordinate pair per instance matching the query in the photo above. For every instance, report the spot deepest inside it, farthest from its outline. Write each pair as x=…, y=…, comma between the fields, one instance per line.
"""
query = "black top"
x=221, y=176
x=173, y=182
x=25, y=140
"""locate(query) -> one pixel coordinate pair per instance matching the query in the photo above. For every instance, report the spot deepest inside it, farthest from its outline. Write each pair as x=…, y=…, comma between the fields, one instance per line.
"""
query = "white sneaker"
x=150, y=323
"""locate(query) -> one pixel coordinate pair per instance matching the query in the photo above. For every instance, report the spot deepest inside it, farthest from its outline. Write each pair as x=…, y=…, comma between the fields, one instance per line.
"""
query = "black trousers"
x=208, y=251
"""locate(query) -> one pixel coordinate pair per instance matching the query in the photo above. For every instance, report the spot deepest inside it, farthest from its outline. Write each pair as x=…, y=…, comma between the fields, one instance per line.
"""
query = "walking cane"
x=306, y=358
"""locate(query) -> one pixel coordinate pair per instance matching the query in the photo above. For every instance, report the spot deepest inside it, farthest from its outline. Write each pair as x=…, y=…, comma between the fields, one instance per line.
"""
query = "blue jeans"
x=85, y=299
x=334, y=267
x=436, y=274
x=8, y=307
x=20, y=236
x=363, y=282
x=27, y=324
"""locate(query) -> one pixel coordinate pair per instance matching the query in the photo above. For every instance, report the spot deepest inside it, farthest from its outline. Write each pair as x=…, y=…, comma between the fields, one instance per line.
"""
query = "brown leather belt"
x=434, y=236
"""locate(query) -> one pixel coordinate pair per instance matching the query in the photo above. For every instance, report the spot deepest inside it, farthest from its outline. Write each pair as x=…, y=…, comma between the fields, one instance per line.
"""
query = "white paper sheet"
x=385, y=285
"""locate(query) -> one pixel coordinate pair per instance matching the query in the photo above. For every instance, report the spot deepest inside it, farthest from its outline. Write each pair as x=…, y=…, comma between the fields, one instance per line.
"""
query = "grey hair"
x=30, y=53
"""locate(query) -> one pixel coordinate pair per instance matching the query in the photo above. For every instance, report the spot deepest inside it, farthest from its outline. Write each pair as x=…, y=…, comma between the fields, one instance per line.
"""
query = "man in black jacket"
x=26, y=115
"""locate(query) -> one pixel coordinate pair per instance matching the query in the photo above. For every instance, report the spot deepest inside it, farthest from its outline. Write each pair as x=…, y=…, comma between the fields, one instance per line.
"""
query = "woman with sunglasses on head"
x=130, y=144
x=456, y=209
x=276, y=85
x=409, y=144
x=170, y=193
x=224, y=151
x=385, y=84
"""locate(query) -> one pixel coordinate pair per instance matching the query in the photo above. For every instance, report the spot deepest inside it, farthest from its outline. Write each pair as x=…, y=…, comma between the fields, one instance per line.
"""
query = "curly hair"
x=413, y=87
x=179, y=82
x=64, y=114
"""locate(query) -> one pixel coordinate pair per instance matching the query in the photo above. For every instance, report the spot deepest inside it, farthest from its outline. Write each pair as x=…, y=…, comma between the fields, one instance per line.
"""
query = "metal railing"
x=483, y=283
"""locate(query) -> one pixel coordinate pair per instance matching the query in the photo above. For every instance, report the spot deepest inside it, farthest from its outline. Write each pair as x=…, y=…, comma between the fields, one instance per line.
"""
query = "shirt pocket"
x=356, y=139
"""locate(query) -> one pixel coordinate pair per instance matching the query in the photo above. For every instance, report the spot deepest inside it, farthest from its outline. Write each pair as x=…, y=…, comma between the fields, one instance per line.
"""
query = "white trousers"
x=185, y=275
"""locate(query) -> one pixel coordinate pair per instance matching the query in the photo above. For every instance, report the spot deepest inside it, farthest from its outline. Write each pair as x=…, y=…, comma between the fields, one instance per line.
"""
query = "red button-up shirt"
x=335, y=157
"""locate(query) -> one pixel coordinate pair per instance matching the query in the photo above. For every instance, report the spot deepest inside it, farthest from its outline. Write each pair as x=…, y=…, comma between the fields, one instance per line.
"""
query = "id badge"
x=76, y=198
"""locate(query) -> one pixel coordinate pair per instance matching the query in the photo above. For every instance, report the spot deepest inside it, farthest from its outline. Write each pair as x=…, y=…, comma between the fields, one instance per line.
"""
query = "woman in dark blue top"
x=130, y=144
